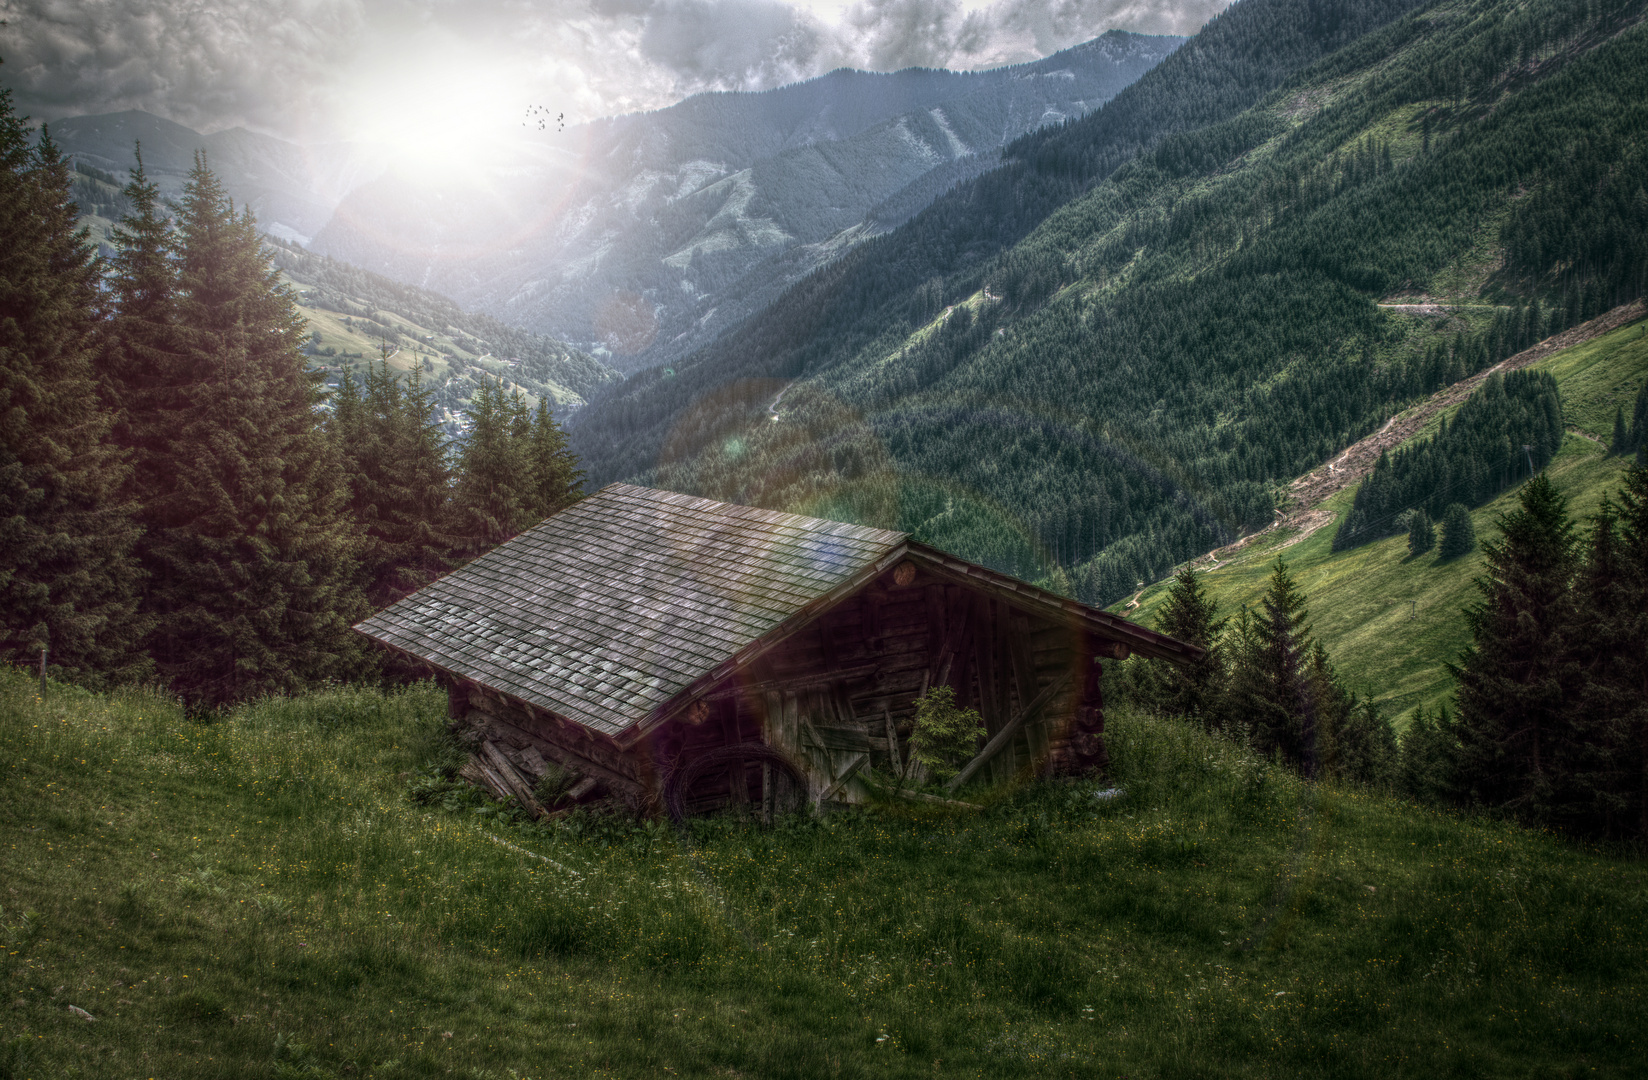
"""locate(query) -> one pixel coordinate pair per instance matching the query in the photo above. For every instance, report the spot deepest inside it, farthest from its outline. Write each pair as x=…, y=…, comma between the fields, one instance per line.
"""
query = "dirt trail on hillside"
x=1317, y=486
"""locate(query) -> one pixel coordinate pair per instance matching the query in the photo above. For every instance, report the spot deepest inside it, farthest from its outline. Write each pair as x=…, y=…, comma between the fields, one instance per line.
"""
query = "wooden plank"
x=1005, y=735
x=512, y=779
x=858, y=762
x=798, y=682
x=852, y=740
x=956, y=623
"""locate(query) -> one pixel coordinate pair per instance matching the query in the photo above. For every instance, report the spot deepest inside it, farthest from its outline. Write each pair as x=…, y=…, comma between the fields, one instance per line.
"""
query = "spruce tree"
x=1427, y=761
x=1354, y=740
x=1520, y=674
x=395, y=462
x=1189, y=690
x=556, y=476
x=1458, y=535
x=1638, y=438
x=68, y=580
x=1421, y=533
x=1621, y=441
x=1271, y=693
x=494, y=486
x=1612, y=713
x=250, y=552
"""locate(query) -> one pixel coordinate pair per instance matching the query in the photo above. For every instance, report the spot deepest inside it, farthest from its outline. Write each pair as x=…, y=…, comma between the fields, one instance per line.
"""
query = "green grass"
x=260, y=898
x=1391, y=621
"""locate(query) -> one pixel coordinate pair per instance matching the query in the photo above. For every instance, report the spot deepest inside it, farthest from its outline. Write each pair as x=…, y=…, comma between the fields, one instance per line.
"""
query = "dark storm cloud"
x=201, y=64
x=289, y=66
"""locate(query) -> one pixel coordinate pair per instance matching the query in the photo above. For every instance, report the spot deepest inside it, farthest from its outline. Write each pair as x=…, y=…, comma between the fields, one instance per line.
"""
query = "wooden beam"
x=921, y=796
x=956, y=622
x=892, y=742
x=1005, y=735
x=800, y=682
x=1024, y=677
x=1029, y=598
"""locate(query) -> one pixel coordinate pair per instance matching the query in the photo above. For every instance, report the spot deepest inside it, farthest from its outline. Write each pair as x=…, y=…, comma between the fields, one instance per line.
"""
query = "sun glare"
x=439, y=120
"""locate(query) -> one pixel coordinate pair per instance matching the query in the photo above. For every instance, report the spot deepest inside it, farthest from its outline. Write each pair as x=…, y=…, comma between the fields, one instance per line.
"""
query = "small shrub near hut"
x=944, y=738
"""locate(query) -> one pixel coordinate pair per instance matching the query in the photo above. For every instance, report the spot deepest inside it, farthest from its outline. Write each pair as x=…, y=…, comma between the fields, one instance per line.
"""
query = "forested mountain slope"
x=293, y=189
x=354, y=314
x=895, y=284
x=1126, y=386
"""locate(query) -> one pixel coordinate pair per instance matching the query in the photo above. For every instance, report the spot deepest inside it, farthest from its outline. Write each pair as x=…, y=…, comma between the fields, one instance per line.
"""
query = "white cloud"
x=312, y=69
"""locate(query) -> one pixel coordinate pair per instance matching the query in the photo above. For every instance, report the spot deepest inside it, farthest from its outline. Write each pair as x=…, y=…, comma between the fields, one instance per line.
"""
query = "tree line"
x=1549, y=723
x=177, y=503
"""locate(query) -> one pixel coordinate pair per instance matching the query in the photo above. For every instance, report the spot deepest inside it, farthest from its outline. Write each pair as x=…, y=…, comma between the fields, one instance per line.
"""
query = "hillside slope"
x=293, y=189
x=259, y=898
x=355, y=315
x=1135, y=382
x=355, y=311
x=1392, y=621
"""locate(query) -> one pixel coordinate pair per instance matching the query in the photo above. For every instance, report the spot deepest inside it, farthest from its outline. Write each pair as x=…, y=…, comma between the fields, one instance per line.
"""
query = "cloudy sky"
x=316, y=70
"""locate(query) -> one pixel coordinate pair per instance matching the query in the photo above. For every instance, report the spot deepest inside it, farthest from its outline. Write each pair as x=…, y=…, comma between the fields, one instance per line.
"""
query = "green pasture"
x=261, y=897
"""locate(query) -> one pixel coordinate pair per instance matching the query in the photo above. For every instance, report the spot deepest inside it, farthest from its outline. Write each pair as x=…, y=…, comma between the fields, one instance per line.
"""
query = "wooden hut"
x=679, y=654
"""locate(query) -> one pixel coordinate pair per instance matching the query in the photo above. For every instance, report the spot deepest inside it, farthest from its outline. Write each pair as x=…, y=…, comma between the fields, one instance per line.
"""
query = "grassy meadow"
x=1391, y=620
x=261, y=897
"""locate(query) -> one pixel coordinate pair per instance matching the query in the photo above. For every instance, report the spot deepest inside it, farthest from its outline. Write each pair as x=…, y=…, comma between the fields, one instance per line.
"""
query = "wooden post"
x=892, y=743
x=44, y=650
x=769, y=798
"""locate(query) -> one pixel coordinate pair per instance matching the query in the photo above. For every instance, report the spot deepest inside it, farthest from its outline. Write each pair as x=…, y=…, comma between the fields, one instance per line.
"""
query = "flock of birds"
x=540, y=115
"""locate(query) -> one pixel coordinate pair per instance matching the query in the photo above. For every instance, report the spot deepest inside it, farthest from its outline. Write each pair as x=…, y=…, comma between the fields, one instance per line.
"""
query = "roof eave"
x=1138, y=639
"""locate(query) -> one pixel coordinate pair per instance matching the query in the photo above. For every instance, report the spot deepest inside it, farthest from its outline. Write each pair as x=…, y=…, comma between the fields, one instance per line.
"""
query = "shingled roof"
x=615, y=605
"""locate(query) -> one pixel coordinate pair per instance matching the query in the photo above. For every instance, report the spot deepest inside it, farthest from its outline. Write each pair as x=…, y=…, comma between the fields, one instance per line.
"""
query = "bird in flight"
x=540, y=115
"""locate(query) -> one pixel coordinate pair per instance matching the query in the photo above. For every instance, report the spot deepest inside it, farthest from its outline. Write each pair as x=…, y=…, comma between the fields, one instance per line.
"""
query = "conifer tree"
x=1611, y=714
x=494, y=486
x=1519, y=675
x=1421, y=533
x=1638, y=438
x=1427, y=761
x=1190, y=690
x=1458, y=535
x=68, y=579
x=556, y=476
x=395, y=461
x=249, y=549
x=1271, y=693
x=1621, y=441
x=1354, y=740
